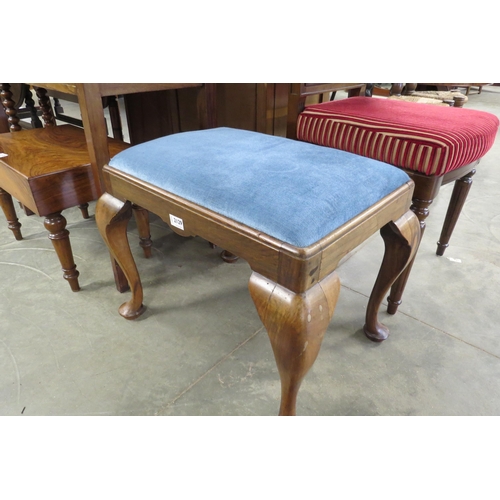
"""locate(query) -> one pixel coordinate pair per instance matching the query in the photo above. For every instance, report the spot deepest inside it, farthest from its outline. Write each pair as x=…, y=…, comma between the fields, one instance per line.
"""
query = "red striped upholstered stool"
x=292, y=210
x=434, y=145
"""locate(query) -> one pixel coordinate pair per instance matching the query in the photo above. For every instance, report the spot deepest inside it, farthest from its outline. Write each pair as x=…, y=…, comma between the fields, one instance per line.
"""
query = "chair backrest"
x=299, y=92
x=14, y=97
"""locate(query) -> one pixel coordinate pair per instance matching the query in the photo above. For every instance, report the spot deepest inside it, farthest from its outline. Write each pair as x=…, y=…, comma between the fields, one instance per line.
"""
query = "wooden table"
x=90, y=100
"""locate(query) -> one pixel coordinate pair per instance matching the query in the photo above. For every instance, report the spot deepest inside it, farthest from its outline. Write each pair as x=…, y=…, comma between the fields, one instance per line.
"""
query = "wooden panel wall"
x=260, y=107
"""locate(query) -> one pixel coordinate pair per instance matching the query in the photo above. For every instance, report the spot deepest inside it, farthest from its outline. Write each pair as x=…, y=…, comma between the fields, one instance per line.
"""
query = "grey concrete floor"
x=200, y=348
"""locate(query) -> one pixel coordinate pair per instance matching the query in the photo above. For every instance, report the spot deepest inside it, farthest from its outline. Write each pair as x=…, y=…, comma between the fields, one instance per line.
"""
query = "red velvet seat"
x=435, y=145
x=432, y=140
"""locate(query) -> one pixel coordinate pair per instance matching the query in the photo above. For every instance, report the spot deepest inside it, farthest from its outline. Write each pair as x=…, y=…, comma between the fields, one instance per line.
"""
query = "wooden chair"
x=289, y=208
x=48, y=170
x=46, y=187
x=434, y=145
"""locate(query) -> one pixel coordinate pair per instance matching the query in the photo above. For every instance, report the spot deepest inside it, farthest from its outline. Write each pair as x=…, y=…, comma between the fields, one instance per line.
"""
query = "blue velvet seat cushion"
x=294, y=191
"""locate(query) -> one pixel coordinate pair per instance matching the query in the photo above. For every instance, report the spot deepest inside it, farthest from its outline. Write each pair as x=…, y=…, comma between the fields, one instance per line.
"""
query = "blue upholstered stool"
x=291, y=209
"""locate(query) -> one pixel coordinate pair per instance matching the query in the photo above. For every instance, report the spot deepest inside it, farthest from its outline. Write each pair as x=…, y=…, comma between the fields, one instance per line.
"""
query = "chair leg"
x=141, y=216
x=112, y=217
x=10, y=214
x=84, y=209
x=426, y=189
x=457, y=201
x=59, y=235
x=296, y=325
x=401, y=239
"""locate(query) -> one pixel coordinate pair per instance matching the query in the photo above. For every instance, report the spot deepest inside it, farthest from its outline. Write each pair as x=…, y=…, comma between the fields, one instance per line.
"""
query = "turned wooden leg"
x=9, y=107
x=46, y=107
x=59, y=235
x=141, y=216
x=401, y=240
x=84, y=209
x=10, y=214
x=112, y=217
x=296, y=324
x=420, y=207
x=457, y=201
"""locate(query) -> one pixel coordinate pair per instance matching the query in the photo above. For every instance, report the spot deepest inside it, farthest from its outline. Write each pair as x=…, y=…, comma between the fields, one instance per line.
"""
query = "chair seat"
x=48, y=169
x=252, y=178
x=425, y=138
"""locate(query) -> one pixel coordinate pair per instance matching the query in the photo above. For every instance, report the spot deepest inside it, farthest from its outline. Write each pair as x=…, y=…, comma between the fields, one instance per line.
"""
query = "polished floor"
x=200, y=348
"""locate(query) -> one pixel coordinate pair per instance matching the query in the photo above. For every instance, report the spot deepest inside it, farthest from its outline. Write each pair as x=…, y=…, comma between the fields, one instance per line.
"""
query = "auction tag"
x=176, y=222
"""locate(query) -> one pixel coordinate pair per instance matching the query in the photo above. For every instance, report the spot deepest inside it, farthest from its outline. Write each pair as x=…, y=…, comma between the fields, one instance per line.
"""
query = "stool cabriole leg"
x=459, y=195
x=112, y=217
x=56, y=226
x=296, y=324
x=10, y=214
x=401, y=240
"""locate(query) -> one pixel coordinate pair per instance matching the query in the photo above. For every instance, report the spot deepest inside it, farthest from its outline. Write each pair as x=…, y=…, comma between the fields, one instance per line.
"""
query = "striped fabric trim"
x=431, y=151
